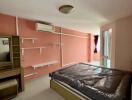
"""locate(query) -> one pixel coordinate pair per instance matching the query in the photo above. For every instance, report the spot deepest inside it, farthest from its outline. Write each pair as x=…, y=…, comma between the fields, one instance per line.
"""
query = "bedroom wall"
x=33, y=56
x=75, y=49
x=121, y=43
x=7, y=25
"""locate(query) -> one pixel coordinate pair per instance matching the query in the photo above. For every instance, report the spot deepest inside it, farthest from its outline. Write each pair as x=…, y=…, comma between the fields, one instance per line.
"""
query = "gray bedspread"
x=96, y=82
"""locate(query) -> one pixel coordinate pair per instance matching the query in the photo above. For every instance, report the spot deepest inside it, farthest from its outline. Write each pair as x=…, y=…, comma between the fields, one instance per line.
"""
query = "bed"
x=84, y=81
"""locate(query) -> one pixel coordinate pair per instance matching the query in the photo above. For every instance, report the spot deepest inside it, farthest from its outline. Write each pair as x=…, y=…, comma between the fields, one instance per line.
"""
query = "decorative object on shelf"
x=96, y=42
x=5, y=42
x=66, y=9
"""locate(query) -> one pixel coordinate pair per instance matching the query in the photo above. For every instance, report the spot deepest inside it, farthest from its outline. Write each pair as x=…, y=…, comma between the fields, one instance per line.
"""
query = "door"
x=107, y=48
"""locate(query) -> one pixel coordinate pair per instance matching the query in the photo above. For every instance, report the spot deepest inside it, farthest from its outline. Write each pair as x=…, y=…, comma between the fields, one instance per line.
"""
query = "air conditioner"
x=44, y=27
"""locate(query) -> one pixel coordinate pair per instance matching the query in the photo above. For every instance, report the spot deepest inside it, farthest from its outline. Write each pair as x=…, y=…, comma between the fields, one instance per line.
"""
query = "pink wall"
x=33, y=56
x=74, y=49
x=7, y=25
x=51, y=52
x=123, y=43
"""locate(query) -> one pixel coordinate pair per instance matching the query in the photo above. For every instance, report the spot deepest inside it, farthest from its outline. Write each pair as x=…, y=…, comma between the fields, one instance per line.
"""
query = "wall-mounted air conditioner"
x=44, y=27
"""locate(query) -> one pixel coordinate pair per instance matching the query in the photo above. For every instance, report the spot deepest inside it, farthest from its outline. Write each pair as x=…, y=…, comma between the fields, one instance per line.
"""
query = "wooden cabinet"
x=14, y=69
x=15, y=73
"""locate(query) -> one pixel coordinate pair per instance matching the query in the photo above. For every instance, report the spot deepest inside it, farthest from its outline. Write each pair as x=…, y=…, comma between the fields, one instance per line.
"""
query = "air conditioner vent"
x=44, y=27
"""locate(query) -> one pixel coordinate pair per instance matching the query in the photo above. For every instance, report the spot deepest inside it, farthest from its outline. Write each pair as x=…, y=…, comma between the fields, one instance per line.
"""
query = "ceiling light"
x=66, y=9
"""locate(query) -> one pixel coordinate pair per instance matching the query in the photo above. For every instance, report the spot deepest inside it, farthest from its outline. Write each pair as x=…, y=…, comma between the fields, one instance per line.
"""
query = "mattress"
x=96, y=82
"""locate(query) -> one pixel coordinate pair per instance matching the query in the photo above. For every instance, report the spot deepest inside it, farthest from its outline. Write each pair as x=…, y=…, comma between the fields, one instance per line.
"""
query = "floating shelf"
x=32, y=39
x=31, y=74
x=44, y=64
x=40, y=49
x=40, y=65
x=60, y=33
x=56, y=32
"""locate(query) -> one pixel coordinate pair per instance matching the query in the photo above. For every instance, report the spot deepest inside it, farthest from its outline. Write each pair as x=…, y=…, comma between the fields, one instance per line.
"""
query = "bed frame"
x=66, y=91
x=70, y=93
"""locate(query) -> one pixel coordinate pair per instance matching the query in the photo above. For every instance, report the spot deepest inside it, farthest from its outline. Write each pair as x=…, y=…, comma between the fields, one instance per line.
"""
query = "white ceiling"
x=87, y=16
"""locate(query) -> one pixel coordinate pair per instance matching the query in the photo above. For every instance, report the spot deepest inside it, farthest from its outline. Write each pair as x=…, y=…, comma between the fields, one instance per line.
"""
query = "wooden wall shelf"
x=31, y=74
x=45, y=64
x=40, y=65
x=32, y=39
x=40, y=49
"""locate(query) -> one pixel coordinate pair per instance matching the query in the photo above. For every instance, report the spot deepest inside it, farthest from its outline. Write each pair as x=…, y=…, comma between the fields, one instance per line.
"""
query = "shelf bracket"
x=40, y=50
x=22, y=51
x=33, y=41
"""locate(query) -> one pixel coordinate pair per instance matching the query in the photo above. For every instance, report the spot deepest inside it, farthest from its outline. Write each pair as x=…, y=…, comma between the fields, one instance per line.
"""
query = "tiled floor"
x=95, y=63
x=38, y=89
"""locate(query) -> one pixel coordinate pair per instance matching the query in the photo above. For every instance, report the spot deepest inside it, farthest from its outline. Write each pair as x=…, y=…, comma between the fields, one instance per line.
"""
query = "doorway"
x=107, y=48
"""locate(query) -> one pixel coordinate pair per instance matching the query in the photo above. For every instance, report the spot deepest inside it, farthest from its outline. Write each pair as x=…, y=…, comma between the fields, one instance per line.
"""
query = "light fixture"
x=66, y=9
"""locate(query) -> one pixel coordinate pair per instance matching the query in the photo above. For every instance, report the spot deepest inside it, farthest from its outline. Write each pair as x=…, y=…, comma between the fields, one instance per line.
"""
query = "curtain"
x=95, y=42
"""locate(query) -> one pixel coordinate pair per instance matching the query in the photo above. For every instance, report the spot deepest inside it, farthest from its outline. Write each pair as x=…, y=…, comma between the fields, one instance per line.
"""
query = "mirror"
x=5, y=51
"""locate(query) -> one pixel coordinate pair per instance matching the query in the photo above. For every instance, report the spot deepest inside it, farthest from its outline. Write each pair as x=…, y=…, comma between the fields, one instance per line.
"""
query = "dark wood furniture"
x=15, y=73
x=8, y=89
x=13, y=69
